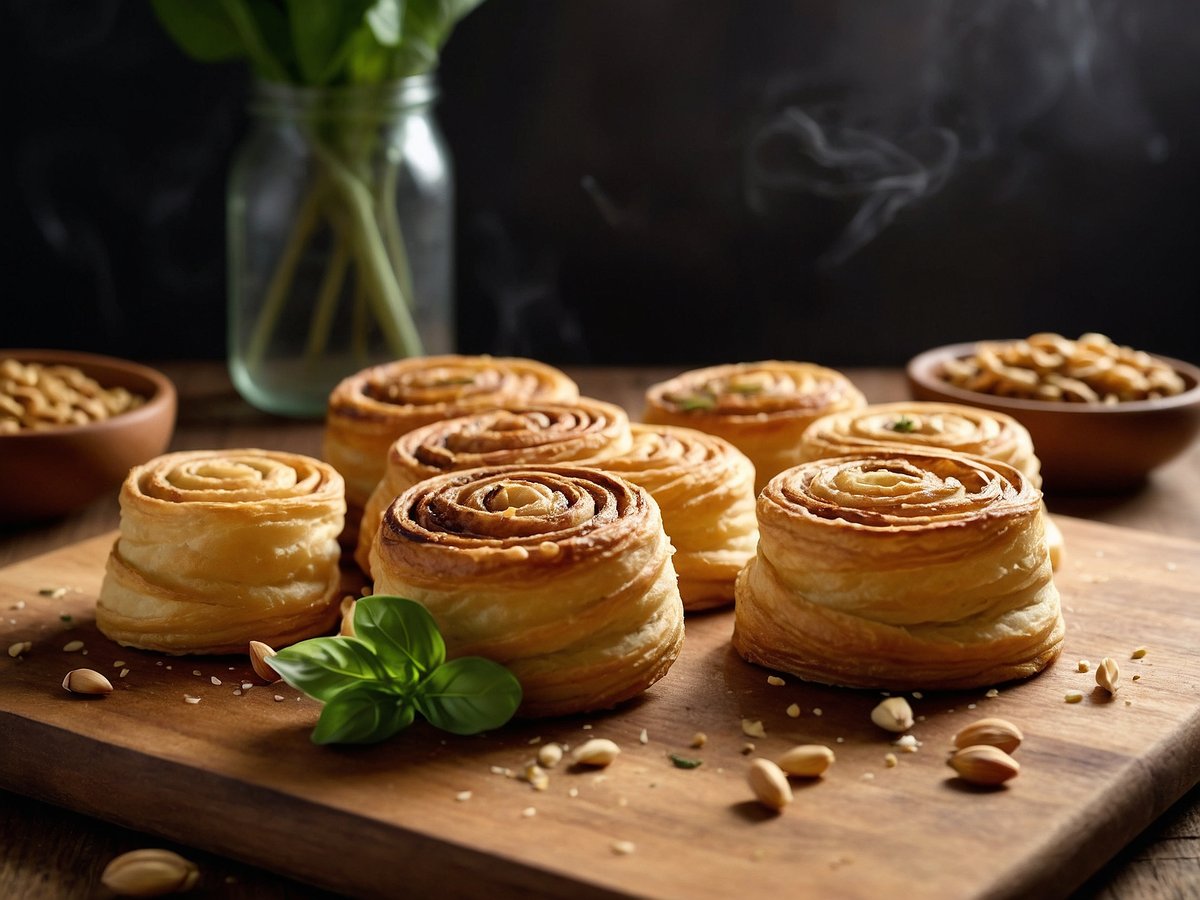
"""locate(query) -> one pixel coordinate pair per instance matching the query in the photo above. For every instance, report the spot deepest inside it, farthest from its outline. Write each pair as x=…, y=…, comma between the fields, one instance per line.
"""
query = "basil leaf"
x=324, y=667
x=321, y=33
x=402, y=633
x=202, y=29
x=362, y=715
x=469, y=695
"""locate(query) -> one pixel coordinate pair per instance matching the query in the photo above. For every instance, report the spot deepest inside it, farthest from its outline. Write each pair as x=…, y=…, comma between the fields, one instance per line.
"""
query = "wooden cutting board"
x=236, y=773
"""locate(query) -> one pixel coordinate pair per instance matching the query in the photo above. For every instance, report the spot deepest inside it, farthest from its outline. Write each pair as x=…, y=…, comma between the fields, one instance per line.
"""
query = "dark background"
x=663, y=181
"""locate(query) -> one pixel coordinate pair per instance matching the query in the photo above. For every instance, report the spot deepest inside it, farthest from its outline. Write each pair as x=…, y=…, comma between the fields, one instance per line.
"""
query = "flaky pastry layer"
x=704, y=487
x=583, y=431
x=762, y=408
x=370, y=409
x=221, y=547
x=900, y=571
x=562, y=574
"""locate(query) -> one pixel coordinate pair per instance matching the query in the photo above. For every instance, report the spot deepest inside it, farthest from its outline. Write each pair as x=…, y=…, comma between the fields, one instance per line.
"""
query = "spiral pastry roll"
x=585, y=430
x=370, y=409
x=761, y=408
x=939, y=426
x=922, y=569
x=704, y=487
x=563, y=574
x=219, y=547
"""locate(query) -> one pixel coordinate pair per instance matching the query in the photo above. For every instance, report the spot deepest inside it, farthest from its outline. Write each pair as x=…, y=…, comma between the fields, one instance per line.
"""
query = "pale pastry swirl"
x=370, y=409
x=761, y=408
x=220, y=547
x=704, y=487
x=563, y=574
x=939, y=426
x=583, y=431
x=899, y=571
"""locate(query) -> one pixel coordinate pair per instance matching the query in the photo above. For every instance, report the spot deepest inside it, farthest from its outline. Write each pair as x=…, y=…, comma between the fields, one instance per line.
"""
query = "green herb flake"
x=374, y=684
x=685, y=762
x=904, y=425
x=695, y=401
x=745, y=387
x=64, y=618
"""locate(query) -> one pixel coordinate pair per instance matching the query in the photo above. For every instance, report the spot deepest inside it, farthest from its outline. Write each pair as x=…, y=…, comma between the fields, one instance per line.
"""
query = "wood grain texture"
x=212, y=774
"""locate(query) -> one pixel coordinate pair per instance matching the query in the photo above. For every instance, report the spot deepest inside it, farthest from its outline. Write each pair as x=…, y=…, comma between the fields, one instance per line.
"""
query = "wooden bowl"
x=48, y=473
x=1083, y=447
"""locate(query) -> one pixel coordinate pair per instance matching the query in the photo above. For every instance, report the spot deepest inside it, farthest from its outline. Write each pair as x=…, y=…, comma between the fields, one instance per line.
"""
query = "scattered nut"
x=72, y=646
x=549, y=755
x=87, y=681
x=699, y=739
x=984, y=764
x=753, y=728
x=775, y=681
x=893, y=714
x=537, y=777
x=806, y=760
x=890, y=760
x=1084, y=665
x=623, y=848
x=259, y=654
x=991, y=732
x=1108, y=674
x=15, y=650
x=769, y=784
x=596, y=752
x=1073, y=696
x=149, y=873
x=793, y=711
x=1138, y=653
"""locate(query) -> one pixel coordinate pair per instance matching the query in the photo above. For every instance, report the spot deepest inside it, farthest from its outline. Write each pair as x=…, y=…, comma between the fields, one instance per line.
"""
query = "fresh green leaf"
x=685, y=762
x=362, y=715
x=324, y=667
x=469, y=695
x=201, y=28
x=322, y=35
x=402, y=633
x=904, y=425
x=386, y=21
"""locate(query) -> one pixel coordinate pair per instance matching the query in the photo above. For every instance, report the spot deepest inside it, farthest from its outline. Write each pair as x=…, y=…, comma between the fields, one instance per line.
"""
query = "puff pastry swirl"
x=704, y=487
x=219, y=547
x=900, y=571
x=561, y=573
x=370, y=409
x=583, y=431
x=761, y=408
x=942, y=426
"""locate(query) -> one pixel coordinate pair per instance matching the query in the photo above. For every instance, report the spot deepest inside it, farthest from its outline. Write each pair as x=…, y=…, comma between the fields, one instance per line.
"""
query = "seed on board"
x=149, y=873
x=1073, y=696
x=984, y=764
x=893, y=714
x=623, y=848
x=993, y=732
x=769, y=784
x=1138, y=653
x=595, y=752
x=259, y=654
x=753, y=728
x=87, y=681
x=1083, y=665
x=775, y=681
x=72, y=646
x=806, y=760
x=1108, y=674
x=699, y=739
x=549, y=755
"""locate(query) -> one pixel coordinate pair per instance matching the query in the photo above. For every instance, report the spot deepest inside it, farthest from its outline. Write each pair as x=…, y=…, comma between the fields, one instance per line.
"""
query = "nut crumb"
x=1136, y=678
x=1138, y=653
x=747, y=748
x=890, y=760
x=20, y=647
x=20, y=604
x=917, y=695
x=817, y=711
x=196, y=672
x=907, y=743
x=867, y=776
x=462, y=796
x=72, y=646
x=793, y=711
x=1073, y=696
x=992, y=694
x=120, y=663
x=529, y=812
x=753, y=728
x=623, y=848
x=699, y=739
x=123, y=673
x=278, y=698
x=644, y=737
x=501, y=770
x=1083, y=665
x=188, y=698
x=573, y=792
x=775, y=681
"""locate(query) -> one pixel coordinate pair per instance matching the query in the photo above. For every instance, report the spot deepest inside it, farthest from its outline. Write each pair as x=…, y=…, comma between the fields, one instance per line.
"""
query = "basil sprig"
x=374, y=684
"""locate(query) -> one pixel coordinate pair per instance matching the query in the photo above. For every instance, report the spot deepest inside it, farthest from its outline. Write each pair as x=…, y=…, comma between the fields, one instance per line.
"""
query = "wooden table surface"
x=47, y=852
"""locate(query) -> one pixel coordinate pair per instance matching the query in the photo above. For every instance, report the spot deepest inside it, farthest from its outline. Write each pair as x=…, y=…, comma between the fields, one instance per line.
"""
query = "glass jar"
x=340, y=239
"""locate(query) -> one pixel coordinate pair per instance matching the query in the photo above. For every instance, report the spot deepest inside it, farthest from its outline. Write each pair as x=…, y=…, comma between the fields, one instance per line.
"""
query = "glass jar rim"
x=277, y=99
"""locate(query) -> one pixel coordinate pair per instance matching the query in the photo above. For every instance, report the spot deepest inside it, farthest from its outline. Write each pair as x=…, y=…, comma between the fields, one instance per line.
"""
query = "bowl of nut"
x=1102, y=415
x=72, y=425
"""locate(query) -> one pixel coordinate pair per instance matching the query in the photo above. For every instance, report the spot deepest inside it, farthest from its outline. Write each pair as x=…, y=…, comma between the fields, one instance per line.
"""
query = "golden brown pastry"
x=761, y=408
x=704, y=487
x=370, y=409
x=900, y=571
x=563, y=574
x=220, y=547
x=583, y=431
x=944, y=426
